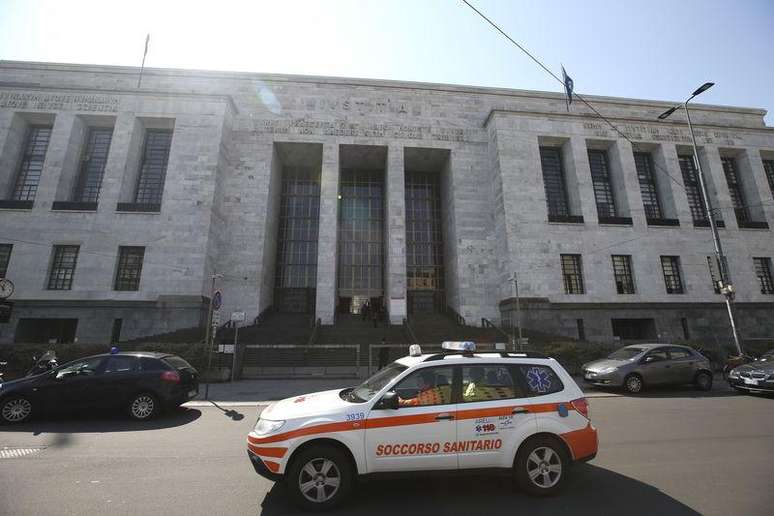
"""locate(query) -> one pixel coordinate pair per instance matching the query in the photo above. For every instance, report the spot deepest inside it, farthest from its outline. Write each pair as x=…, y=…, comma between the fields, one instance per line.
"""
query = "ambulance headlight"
x=266, y=426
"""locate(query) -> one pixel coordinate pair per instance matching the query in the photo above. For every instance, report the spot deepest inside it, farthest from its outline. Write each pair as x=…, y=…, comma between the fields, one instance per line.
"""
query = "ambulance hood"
x=308, y=405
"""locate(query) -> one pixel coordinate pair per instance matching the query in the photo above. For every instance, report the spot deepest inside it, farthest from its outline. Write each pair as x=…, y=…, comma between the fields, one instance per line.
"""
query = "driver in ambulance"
x=428, y=393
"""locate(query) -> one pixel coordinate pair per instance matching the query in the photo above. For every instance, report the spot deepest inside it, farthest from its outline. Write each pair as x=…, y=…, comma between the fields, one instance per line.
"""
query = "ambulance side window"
x=426, y=387
x=489, y=383
x=538, y=380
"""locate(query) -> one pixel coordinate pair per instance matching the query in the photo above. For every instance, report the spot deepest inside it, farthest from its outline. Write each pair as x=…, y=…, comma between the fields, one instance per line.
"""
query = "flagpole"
x=142, y=67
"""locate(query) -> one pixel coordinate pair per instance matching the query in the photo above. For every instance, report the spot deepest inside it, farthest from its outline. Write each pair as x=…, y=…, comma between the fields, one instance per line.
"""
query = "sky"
x=654, y=49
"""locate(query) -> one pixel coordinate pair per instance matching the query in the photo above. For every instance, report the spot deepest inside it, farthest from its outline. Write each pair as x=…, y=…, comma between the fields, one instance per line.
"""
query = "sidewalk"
x=263, y=392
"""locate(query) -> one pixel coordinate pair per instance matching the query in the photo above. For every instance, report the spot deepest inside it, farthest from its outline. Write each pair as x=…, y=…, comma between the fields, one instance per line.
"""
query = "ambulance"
x=459, y=410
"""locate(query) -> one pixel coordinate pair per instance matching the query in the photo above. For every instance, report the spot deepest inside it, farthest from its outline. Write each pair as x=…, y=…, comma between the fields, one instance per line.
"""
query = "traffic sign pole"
x=210, y=335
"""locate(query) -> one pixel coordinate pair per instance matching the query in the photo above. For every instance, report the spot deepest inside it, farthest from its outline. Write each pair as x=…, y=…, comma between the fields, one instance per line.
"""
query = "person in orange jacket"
x=428, y=393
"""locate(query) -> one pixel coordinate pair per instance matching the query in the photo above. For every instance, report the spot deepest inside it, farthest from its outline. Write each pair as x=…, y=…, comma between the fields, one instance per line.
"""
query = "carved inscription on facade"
x=661, y=134
x=304, y=126
x=59, y=102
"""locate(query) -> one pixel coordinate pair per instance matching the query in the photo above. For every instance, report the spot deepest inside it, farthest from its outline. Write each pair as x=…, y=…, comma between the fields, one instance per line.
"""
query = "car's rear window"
x=539, y=380
x=152, y=364
x=177, y=362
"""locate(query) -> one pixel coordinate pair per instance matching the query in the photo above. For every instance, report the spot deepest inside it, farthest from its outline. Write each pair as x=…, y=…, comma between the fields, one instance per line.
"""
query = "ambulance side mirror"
x=388, y=401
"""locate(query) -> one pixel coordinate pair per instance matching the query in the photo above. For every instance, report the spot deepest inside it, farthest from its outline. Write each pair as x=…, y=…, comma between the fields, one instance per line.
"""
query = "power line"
x=93, y=253
x=552, y=74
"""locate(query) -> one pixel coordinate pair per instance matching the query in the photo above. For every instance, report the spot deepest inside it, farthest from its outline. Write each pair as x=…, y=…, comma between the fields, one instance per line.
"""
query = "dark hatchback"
x=143, y=384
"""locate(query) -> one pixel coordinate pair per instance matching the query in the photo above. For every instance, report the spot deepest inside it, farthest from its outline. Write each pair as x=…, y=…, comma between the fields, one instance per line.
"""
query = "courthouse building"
x=119, y=201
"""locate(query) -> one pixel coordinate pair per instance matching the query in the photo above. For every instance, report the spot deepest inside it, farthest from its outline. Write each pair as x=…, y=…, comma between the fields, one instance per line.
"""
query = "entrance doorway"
x=46, y=331
x=634, y=329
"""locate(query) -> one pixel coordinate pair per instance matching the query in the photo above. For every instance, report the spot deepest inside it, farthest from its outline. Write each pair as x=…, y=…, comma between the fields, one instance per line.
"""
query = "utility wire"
x=552, y=74
x=93, y=253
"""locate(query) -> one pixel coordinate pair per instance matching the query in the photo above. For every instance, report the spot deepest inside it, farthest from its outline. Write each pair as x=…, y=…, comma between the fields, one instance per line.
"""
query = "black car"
x=141, y=383
x=756, y=376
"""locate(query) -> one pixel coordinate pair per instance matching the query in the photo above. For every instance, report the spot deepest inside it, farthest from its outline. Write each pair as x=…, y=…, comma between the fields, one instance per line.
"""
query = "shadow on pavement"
x=670, y=391
x=590, y=490
x=74, y=424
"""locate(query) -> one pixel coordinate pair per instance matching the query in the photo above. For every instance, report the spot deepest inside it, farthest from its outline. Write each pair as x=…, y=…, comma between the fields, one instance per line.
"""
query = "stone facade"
x=234, y=132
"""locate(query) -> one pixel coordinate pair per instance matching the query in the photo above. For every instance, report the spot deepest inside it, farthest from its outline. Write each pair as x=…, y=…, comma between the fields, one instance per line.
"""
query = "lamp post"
x=517, y=324
x=727, y=288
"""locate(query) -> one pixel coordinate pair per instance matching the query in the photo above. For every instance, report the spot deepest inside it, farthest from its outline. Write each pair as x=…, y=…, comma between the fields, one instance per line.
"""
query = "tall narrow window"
x=572, y=273
x=648, y=189
x=63, y=267
x=735, y=189
x=581, y=329
x=129, y=267
x=295, y=279
x=150, y=185
x=686, y=329
x=93, y=163
x=622, y=270
x=5, y=258
x=763, y=272
x=768, y=167
x=693, y=189
x=672, y=279
x=424, y=242
x=714, y=270
x=554, y=182
x=603, y=187
x=31, y=165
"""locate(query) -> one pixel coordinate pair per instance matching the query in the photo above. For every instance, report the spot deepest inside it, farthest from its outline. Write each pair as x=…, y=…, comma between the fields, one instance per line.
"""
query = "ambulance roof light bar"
x=459, y=346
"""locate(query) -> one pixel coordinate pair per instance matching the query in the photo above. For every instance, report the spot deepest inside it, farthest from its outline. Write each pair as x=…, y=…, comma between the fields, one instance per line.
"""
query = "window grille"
x=572, y=274
x=129, y=269
x=622, y=270
x=603, y=187
x=648, y=189
x=63, y=267
x=670, y=265
x=31, y=164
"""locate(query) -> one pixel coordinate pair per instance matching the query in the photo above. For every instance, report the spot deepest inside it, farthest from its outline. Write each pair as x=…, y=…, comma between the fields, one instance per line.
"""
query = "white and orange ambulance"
x=518, y=413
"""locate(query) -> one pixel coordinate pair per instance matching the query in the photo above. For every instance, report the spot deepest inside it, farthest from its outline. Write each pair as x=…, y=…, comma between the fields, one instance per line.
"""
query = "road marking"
x=15, y=453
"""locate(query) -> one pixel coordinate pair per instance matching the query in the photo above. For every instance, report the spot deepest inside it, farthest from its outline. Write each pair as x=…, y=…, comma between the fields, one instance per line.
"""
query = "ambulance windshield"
x=366, y=390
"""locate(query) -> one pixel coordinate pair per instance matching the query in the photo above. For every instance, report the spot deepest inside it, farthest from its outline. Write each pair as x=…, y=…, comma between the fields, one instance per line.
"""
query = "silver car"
x=634, y=367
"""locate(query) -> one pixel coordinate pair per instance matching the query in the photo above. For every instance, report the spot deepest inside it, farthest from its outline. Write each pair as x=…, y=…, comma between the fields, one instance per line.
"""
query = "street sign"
x=217, y=300
x=215, y=318
x=238, y=316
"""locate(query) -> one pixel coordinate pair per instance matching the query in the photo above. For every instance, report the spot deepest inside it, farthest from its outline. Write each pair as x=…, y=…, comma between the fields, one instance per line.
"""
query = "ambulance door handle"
x=520, y=410
x=444, y=417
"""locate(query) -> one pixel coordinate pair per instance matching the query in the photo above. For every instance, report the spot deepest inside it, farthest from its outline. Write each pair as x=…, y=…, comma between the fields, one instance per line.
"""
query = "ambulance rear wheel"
x=541, y=466
x=319, y=478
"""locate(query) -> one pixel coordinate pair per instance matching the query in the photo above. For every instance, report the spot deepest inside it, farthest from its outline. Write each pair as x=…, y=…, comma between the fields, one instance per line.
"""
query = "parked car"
x=754, y=377
x=141, y=383
x=637, y=366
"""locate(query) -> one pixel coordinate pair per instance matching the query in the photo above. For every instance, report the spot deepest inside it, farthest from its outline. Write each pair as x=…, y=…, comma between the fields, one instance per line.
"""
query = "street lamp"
x=727, y=289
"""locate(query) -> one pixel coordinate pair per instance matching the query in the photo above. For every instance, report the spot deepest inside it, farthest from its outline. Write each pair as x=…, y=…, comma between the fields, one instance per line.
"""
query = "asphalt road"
x=668, y=453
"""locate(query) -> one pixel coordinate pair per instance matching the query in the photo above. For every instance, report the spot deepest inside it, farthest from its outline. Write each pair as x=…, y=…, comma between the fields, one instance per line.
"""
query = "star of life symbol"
x=538, y=379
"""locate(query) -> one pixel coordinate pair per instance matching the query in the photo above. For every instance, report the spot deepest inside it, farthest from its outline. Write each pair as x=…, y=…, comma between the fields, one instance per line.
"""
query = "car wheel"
x=143, y=406
x=541, y=466
x=703, y=381
x=633, y=384
x=319, y=478
x=15, y=409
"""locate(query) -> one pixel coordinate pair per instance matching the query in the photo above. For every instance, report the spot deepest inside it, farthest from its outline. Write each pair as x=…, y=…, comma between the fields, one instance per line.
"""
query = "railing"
x=409, y=331
x=292, y=360
x=388, y=353
x=261, y=316
x=457, y=317
x=486, y=323
x=315, y=331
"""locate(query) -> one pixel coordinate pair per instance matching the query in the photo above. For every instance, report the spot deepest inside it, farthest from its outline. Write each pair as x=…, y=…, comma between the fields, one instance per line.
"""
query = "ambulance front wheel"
x=541, y=466
x=319, y=478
